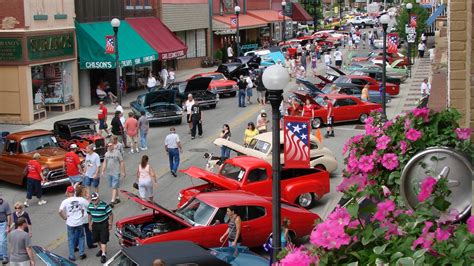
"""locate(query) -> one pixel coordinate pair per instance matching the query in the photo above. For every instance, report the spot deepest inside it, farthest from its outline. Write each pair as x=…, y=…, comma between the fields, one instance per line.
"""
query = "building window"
x=146, y=4
x=128, y=5
x=138, y=4
x=191, y=43
x=200, y=43
x=195, y=40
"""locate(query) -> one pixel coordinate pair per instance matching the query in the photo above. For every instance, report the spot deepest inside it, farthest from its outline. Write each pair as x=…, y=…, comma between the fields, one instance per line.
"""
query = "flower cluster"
x=299, y=257
x=331, y=233
x=426, y=188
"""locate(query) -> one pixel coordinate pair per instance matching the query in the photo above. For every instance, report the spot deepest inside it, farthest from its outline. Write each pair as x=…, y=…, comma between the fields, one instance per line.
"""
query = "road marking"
x=57, y=242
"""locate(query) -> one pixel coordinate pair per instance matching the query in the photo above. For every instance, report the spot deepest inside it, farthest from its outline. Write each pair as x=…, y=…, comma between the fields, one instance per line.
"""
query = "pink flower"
x=341, y=216
x=403, y=146
x=366, y=163
x=426, y=188
x=447, y=217
x=298, y=256
x=426, y=238
x=470, y=224
x=392, y=229
x=463, y=133
x=422, y=112
x=384, y=209
x=407, y=124
x=369, y=120
x=442, y=235
x=352, y=164
x=382, y=142
x=386, y=191
x=329, y=234
x=359, y=180
x=413, y=134
x=390, y=161
x=387, y=124
x=371, y=130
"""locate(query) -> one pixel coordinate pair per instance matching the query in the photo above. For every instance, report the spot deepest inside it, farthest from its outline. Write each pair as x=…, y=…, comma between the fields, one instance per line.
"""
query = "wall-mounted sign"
x=10, y=49
x=49, y=46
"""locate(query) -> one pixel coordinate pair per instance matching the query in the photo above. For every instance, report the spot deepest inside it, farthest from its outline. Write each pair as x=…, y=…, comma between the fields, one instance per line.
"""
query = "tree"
x=402, y=19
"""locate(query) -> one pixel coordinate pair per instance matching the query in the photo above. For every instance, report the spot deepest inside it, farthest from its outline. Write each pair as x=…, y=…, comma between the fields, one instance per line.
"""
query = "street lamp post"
x=115, y=23
x=237, y=34
x=409, y=6
x=384, y=19
x=283, y=28
x=275, y=78
x=340, y=12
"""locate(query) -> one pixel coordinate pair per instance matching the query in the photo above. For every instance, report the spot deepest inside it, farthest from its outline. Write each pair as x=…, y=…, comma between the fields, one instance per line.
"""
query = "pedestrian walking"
x=250, y=132
x=146, y=180
x=285, y=230
x=196, y=118
x=225, y=134
x=91, y=168
x=233, y=232
x=117, y=126
x=187, y=106
x=101, y=220
x=330, y=117
x=242, y=84
x=83, y=192
x=338, y=58
x=356, y=41
x=425, y=88
x=21, y=253
x=144, y=126
x=19, y=213
x=171, y=76
x=365, y=94
x=151, y=83
x=164, y=76
x=295, y=108
x=304, y=54
x=314, y=63
x=5, y=225
x=421, y=50
x=249, y=89
x=261, y=90
x=72, y=163
x=72, y=210
x=113, y=169
x=423, y=38
x=173, y=148
x=119, y=108
x=327, y=60
x=34, y=178
x=118, y=145
x=102, y=117
x=230, y=53
x=131, y=129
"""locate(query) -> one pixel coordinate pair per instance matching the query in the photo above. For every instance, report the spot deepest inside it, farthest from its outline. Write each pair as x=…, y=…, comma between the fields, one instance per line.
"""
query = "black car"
x=198, y=87
x=159, y=106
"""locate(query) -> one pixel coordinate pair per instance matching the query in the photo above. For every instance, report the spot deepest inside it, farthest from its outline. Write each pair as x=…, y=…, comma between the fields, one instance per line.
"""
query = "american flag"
x=392, y=41
x=233, y=22
x=412, y=20
x=280, y=14
x=109, y=44
x=296, y=142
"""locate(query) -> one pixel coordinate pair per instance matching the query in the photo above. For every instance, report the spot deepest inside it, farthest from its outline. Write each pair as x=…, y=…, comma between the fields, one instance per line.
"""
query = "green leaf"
x=441, y=204
x=355, y=254
x=396, y=255
x=353, y=209
x=379, y=231
x=406, y=261
x=434, y=159
x=380, y=249
x=355, y=263
x=419, y=253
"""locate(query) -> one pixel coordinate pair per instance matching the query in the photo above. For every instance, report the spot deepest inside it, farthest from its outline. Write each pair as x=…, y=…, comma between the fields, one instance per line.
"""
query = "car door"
x=350, y=109
x=343, y=110
x=9, y=169
x=255, y=225
x=257, y=182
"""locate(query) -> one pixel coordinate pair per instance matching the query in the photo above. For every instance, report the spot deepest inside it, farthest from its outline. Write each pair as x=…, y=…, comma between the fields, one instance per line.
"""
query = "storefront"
x=38, y=71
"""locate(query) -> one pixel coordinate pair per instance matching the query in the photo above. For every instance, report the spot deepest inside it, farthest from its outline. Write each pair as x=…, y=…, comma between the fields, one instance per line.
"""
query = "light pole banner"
x=109, y=44
x=392, y=43
x=280, y=14
x=413, y=20
x=297, y=131
x=233, y=22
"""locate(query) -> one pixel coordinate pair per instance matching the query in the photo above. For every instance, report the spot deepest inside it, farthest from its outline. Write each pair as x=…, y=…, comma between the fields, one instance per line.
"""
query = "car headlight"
x=179, y=112
x=148, y=115
x=45, y=172
x=180, y=196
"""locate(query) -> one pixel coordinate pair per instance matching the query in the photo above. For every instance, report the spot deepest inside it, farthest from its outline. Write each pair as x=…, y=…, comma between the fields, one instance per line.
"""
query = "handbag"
x=135, y=185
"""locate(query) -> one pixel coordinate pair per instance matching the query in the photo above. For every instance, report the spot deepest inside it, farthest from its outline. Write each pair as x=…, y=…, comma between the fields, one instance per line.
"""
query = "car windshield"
x=122, y=260
x=320, y=101
x=81, y=129
x=232, y=171
x=196, y=212
x=38, y=142
x=216, y=76
x=342, y=79
x=260, y=145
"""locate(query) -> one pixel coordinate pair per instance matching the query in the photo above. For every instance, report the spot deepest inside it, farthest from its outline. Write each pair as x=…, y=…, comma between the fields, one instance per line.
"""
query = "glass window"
x=260, y=145
x=220, y=217
x=83, y=129
x=11, y=146
x=313, y=145
x=254, y=212
x=146, y=3
x=39, y=142
x=257, y=175
x=196, y=211
x=191, y=43
x=128, y=4
x=138, y=4
x=200, y=43
x=233, y=172
x=122, y=260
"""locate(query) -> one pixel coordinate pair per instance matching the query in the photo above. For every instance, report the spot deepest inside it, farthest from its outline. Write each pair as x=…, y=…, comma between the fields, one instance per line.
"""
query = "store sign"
x=43, y=47
x=10, y=49
x=172, y=55
x=111, y=64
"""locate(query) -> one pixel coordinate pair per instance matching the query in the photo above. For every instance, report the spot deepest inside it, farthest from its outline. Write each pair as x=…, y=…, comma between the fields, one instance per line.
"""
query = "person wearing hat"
x=72, y=210
x=101, y=220
x=72, y=162
x=5, y=225
x=173, y=148
x=34, y=178
x=92, y=166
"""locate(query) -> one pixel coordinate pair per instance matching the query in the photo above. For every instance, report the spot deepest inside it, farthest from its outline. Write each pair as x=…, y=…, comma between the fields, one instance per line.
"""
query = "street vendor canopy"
x=159, y=37
x=133, y=50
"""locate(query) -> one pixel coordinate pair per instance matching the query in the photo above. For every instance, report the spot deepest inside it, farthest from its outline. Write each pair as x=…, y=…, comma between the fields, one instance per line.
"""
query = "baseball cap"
x=263, y=111
x=94, y=196
x=73, y=146
x=70, y=189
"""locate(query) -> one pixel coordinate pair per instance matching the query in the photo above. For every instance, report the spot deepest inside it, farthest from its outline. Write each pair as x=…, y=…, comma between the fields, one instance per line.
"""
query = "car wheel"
x=305, y=200
x=233, y=94
x=212, y=106
x=362, y=25
x=320, y=167
x=316, y=123
x=363, y=117
x=179, y=121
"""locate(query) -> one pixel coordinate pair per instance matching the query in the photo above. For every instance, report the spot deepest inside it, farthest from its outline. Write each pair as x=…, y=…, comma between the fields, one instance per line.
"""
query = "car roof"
x=247, y=161
x=172, y=253
x=18, y=136
x=226, y=198
x=74, y=121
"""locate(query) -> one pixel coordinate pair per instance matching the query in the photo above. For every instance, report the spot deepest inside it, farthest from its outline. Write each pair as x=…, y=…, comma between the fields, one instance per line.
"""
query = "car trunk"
x=162, y=109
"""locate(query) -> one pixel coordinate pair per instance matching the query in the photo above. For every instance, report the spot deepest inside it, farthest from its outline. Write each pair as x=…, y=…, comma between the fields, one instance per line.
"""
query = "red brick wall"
x=189, y=63
x=13, y=8
x=258, y=4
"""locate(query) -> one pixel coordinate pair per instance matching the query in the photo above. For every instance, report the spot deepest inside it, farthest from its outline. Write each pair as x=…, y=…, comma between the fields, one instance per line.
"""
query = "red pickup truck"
x=302, y=186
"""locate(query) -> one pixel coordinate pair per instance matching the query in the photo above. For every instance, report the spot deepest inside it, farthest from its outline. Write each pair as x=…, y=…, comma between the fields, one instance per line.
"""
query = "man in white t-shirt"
x=72, y=210
x=187, y=106
x=421, y=50
x=151, y=83
x=92, y=165
x=425, y=88
x=173, y=148
x=230, y=53
x=338, y=58
x=327, y=60
x=164, y=76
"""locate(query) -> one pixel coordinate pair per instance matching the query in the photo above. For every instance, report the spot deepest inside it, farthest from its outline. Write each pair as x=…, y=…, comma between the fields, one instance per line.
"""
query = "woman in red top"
x=308, y=109
x=295, y=108
x=34, y=178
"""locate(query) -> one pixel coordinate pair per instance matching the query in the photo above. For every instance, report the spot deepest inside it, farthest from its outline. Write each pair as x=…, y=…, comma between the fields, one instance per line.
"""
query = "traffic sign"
x=411, y=37
x=410, y=30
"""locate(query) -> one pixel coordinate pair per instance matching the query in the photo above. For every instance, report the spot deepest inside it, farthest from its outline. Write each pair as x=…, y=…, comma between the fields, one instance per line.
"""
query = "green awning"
x=133, y=50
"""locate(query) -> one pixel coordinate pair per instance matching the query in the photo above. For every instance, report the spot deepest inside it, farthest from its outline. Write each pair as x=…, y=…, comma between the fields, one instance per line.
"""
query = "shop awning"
x=435, y=15
x=269, y=16
x=300, y=14
x=133, y=50
x=245, y=21
x=159, y=37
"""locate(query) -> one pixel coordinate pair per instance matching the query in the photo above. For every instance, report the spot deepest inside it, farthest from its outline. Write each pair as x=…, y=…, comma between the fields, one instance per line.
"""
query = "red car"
x=219, y=84
x=203, y=220
x=346, y=108
x=392, y=89
x=301, y=186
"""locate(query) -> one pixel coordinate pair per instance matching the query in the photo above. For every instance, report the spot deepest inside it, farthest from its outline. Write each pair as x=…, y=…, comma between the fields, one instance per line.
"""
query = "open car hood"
x=310, y=86
x=323, y=79
x=302, y=97
x=154, y=206
x=198, y=84
x=209, y=177
x=396, y=62
x=338, y=71
x=160, y=96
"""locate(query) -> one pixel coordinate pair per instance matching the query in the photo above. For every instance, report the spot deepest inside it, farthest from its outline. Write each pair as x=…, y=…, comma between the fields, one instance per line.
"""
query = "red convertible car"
x=346, y=108
x=203, y=220
x=219, y=84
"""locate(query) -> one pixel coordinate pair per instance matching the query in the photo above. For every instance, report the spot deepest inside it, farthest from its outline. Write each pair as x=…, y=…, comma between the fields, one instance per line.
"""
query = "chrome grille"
x=56, y=174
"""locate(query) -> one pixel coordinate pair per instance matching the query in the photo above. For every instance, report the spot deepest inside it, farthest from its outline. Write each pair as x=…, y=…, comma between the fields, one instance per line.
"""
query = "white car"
x=261, y=147
x=257, y=52
x=362, y=21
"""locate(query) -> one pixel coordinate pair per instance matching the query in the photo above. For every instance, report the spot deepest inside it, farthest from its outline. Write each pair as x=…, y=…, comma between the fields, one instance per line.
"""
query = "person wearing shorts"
x=72, y=163
x=100, y=223
x=146, y=180
x=113, y=168
x=92, y=166
x=330, y=118
x=102, y=117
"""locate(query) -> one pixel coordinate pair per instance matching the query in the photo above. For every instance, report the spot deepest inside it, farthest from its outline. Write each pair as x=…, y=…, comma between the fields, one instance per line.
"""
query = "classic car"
x=189, y=254
x=375, y=73
x=272, y=58
x=219, y=83
x=233, y=70
x=356, y=90
x=261, y=147
x=203, y=219
x=257, y=52
x=370, y=66
x=346, y=108
x=395, y=68
x=198, y=87
x=301, y=186
x=80, y=131
x=159, y=106
x=51, y=259
x=362, y=21
x=392, y=89
x=20, y=147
